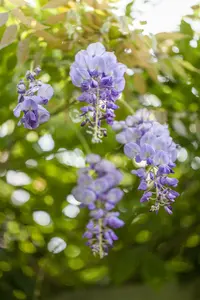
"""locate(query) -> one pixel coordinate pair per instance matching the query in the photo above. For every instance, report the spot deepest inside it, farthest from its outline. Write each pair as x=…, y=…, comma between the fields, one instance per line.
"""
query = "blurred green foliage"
x=38, y=169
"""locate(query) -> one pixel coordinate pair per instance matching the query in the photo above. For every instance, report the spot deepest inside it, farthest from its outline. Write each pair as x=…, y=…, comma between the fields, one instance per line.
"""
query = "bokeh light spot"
x=56, y=245
x=19, y=197
x=42, y=218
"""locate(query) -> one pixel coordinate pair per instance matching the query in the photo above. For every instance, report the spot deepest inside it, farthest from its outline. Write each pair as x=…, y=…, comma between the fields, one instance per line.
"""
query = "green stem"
x=100, y=239
x=38, y=284
x=96, y=128
x=100, y=223
x=127, y=106
x=79, y=135
x=83, y=141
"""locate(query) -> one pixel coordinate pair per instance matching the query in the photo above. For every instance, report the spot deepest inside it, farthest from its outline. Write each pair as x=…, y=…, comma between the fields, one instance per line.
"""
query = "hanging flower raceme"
x=97, y=191
x=101, y=79
x=147, y=141
x=32, y=94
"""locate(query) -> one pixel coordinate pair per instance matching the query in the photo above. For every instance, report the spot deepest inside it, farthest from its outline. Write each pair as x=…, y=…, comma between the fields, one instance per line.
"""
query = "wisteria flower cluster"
x=147, y=141
x=101, y=79
x=32, y=94
x=97, y=190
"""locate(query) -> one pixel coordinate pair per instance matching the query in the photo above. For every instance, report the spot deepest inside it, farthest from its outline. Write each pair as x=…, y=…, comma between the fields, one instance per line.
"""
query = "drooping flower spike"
x=147, y=141
x=101, y=79
x=97, y=190
x=32, y=94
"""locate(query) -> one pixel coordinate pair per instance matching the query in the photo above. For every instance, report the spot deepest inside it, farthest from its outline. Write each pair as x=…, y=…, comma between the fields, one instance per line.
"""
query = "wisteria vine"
x=147, y=142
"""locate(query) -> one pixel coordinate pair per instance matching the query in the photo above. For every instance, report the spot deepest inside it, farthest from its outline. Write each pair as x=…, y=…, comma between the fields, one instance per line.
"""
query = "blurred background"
x=42, y=253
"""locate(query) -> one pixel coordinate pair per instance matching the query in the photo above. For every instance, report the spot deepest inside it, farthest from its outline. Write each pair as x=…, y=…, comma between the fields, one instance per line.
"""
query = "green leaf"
x=18, y=2
x=187, y=65
x=56, y=19
x=186, y=28
x=143, y=236
x=9, y=36
x=123, y=269
x=30, y=22
x=94, y=274
x=170, y=36
x=129, y=8
x=3, y=18
x=55, y=4
x=140, y=83
x=153, y=268
x=178, y=68
x=23, y=51
x=193, y=241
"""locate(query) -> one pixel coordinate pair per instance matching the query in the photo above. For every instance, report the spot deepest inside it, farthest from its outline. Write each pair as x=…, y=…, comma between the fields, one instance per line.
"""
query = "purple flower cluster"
x=101, y=79
x=147, y=141
x=32, y=94
x=97, y=191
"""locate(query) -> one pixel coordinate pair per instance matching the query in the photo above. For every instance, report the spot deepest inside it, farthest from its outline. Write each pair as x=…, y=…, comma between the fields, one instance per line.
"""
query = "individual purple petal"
x=114, y=195
x=109, y=206
x=114, y=177
x=108, y=238
x=17, y=110
x=161, y=158
x=81, y=59
x=96, y=49
x=114, y=222
x=88, y=235
x=113, y=236
x=143, y=185
x=168, y=209
x=28, y=105
x=88, y=196
x=119, y=84
x=121, y=137
x=119, y=70
x=130, y=121
x=146, y=151
x=104, y=166
x=90, y=225
x=97, y=214
x=112, y=106
x=45, y=91
x=43, y=115
x=84, y=179
x=100, y=185
x=21, y=87
x=170, y=181
x=85, y=85
x=172, y=195
x=106, y=81
x=93, y=158
x=91, y=206
x=132, y=135
x=139, y=172
x=78, y=76
x=131, y=150
x=146, y=197
x=173, y=155
x=110, y=60
x=31, y=119
x=117, y=126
